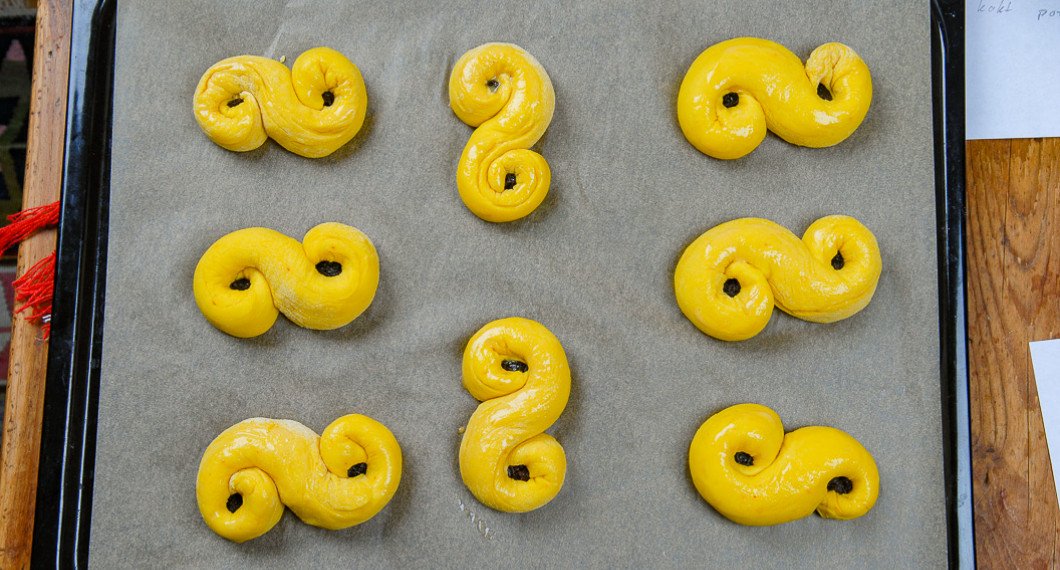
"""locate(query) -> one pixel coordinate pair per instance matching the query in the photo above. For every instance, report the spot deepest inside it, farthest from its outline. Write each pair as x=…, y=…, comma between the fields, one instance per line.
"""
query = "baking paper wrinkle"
x=274, y=45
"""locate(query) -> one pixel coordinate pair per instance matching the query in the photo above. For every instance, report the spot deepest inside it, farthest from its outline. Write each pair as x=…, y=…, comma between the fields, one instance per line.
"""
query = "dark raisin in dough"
x=519, y=472
x=731, y=287
x=838, y=262
x=514, y=365
x=357, y=469
x=841, y=485
x=329, y=268
x=235, y=501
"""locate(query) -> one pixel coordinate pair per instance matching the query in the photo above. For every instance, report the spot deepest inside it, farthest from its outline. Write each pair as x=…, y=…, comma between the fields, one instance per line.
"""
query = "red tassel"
x=36, y=287
x=26, y=222
x=35, y=290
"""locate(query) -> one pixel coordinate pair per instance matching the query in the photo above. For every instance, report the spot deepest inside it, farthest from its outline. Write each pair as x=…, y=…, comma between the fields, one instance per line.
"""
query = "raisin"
x=519, y=472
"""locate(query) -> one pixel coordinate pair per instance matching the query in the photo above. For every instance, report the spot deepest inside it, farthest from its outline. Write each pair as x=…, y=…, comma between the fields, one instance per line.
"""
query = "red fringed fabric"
x=35, y=290
x=36, y=287
x=25, y=223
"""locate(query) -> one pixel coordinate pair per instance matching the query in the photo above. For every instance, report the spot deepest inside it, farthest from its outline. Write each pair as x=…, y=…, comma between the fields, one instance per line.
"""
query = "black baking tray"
x=68, y=434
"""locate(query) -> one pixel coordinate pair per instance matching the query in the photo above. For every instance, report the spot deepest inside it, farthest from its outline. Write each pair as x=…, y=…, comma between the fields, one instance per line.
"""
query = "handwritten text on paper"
x=1012, y=72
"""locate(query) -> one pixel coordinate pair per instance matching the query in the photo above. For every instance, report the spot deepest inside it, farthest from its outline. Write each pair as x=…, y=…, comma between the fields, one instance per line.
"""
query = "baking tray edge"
x=68, y=433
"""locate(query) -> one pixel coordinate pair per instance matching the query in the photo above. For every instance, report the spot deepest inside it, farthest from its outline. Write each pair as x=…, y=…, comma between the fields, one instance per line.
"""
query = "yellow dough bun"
x=246, y=278
x=738, y=88
x=518, y=370
x=504, y=92
x=729, y=279
x=746, y=467
x=256, y=467
x=311, y=110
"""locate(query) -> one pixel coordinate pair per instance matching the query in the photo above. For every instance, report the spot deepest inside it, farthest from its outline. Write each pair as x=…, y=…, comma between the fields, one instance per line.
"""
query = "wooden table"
x=1013, y=297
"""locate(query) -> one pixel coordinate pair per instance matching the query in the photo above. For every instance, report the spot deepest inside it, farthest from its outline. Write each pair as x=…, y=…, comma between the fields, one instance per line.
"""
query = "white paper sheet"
x=1045, y=357
x=1012, y=68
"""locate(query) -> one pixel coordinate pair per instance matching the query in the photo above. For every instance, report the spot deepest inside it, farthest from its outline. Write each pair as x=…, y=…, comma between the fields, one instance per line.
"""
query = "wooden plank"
x=1014, y=297
x=25, y=389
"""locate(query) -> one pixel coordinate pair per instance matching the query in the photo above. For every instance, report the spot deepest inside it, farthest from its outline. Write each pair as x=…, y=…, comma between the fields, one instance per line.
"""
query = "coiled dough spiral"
x=744, y=465
x=738, y=88
x=504, y=92
x=311, y=110
x=246, y=278
x=728, y=280
x=517, y=368
x=256, y=467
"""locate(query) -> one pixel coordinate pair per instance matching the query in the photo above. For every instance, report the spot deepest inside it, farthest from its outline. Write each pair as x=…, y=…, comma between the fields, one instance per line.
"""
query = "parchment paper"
x=594, y=264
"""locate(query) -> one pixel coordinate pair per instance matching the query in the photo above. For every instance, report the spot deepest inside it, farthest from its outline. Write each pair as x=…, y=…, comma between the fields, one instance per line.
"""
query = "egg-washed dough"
x=256, y=467
x=246, y=278
x=728, y=280
x=505, y=93
x=311, y=110
x=744, y=465
x=517, y=368
x=737, y=89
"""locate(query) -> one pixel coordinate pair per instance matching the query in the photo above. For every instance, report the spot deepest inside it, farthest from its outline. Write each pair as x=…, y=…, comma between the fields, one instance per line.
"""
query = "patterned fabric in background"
x=7, y=285
x=16, y=68
x=16, y=71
